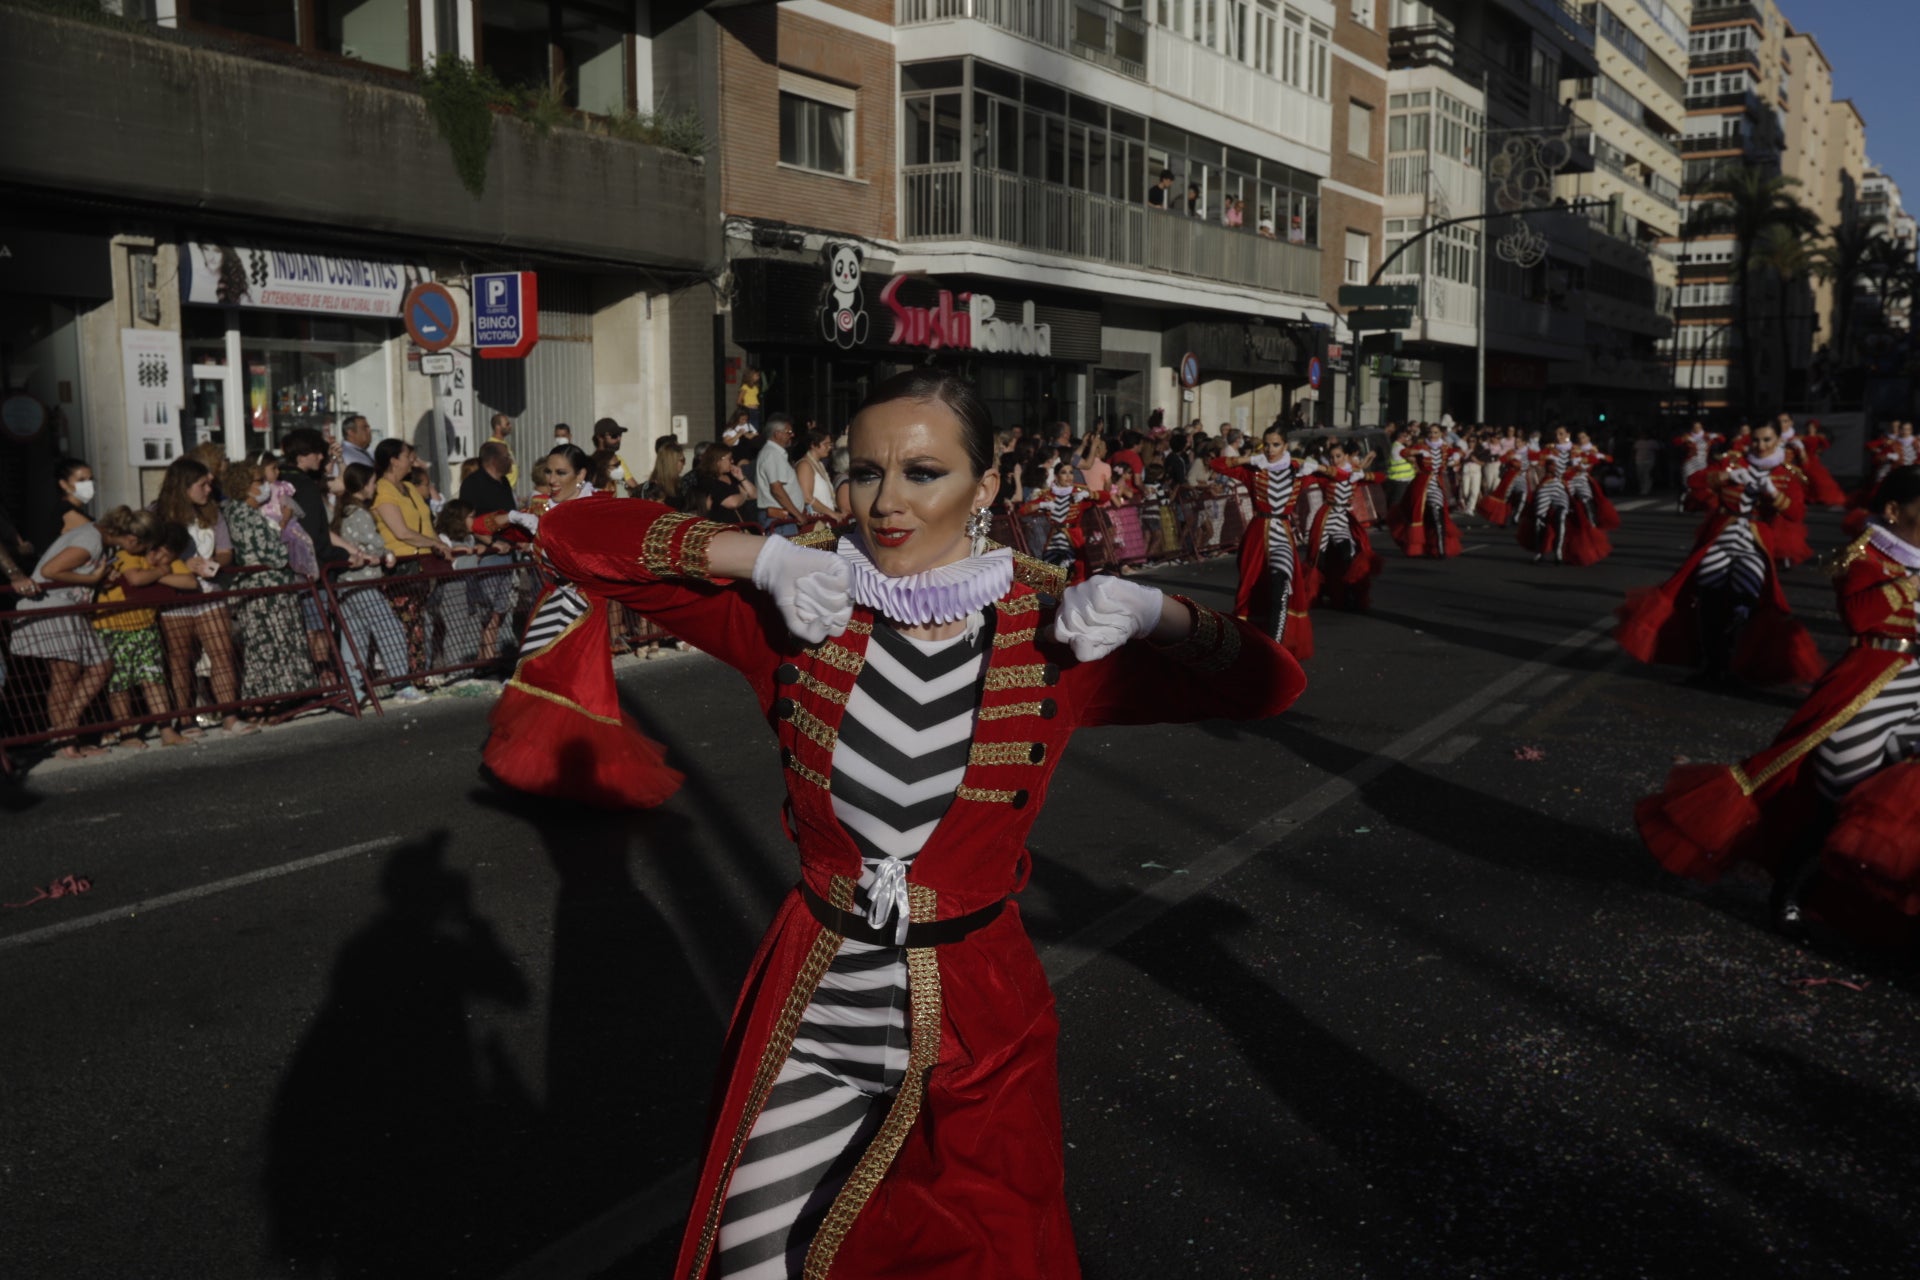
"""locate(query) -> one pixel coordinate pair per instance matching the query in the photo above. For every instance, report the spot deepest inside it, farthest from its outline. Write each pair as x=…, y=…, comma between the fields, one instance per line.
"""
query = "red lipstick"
x=892, y=537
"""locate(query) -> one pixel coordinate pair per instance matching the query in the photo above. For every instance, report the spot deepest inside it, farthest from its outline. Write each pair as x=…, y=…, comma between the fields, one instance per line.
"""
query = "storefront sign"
x=975, y=327
x=506, y=314
x=238, y=275
x=156, y=393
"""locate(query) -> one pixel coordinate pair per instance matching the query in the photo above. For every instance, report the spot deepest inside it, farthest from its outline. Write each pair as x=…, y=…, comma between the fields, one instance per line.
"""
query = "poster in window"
x=154, y=373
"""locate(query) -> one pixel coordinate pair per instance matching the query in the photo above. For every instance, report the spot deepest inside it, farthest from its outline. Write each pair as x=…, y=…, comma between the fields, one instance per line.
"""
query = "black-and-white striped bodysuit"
x=1336, y=527
x=1551, y=501
x=1279, y=540
x=900, y=756
x=1886, y=730
x=1735, y=562
x=1059, y=514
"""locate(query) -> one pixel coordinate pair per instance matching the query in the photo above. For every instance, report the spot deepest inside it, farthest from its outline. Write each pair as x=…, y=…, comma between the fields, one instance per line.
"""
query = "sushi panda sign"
x=843, y=310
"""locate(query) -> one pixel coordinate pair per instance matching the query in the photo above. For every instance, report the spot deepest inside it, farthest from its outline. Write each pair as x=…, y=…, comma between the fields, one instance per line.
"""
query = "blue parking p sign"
x=506, y=314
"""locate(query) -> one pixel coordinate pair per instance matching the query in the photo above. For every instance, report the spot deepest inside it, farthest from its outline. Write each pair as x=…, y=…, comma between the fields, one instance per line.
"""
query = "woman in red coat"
x=1724, y=608
x=1593, y=497
x=1421, y=523
x=1275, y=592
x=1839, y=775
x=890, y=1104
x=1062, y=503
x=1337, y=549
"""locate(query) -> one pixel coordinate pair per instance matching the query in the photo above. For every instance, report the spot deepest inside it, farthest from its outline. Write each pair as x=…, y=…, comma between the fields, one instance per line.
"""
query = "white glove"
x=813, y=589
x=525, y=520
x=1101, y=614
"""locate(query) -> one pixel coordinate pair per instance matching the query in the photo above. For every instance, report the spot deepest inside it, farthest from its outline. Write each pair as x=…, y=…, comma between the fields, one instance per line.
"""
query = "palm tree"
x=1750, y=200
x=1786, y=256
x=1842, y=261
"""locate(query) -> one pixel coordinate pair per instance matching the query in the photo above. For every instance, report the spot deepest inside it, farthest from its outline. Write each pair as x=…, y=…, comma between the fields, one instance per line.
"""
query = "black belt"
x=934, y=933
x=1885, y=642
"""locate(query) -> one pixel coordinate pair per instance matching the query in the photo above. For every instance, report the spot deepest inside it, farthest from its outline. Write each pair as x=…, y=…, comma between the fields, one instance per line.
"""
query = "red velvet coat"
x=1658, y=625
x=965, y=1178
x=1408, y=520
x=1251, y=600
x=1354, y=588
x=1709, y=816
x=1822, y=489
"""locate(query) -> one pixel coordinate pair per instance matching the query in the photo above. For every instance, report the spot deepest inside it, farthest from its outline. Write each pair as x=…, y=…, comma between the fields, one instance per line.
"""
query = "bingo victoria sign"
x=506, y=314
x=964, y=322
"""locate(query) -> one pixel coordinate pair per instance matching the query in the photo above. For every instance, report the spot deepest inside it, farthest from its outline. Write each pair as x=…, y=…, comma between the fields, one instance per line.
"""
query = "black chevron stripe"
x=926, y=666
x=895, y=763
x=899, y=817
x=920, y=715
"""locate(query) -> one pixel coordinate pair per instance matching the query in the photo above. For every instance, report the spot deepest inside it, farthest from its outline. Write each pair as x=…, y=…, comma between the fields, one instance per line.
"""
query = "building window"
x=1357, y=250
x=1318, y=56
x=816, y=125
x=1362, y=11
x=1360, y=129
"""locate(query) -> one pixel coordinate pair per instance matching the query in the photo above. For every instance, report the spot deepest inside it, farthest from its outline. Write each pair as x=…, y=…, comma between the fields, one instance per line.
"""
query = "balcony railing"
x=1093, y=30
x=1746, y=98
x=1725, y=58
x=1029, y=214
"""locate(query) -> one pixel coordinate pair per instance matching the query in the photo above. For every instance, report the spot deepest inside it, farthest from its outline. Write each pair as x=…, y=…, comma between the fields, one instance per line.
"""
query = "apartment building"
x=1064, y=198
x=211, y=220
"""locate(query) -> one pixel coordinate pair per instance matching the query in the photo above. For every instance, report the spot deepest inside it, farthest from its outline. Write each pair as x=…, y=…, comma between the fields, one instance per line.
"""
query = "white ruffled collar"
x=1769, y=461
x=1893, y=546
x=944, y=594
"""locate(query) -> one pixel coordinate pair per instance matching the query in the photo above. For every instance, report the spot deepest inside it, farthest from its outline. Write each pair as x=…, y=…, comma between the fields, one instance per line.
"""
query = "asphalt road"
x=1355, y=992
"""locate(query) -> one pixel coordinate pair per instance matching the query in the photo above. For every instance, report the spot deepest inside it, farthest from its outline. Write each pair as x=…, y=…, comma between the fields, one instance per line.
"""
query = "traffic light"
x=1603, y=415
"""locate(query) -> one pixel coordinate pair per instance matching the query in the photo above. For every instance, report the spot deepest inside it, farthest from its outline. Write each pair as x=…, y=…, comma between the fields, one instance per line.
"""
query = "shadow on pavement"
x=406, y=1142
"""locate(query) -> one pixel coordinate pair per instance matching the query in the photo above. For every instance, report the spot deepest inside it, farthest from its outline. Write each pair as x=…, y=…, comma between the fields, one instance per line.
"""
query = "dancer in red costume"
x=1421, y=523
x=615, y=766
x=1276, y=589
x=1337, y=549
x=1580, y=483
x=1555, y=526
x=1511, y=493
x=1724, y=610
x=1063, y=503
x=1696, y=452
x=1838, y=788
x=1805, y=450
x=890, y=1100
x=1896, y=448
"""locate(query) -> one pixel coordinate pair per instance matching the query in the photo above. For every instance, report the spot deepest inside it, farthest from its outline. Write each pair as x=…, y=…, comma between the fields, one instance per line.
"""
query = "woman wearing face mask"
x=1724, y=608
x=202, y=632
x=921, y=689
x=1274, y=593
x=1839, y=789
x=274, y=655
x=69, y=569
x=73, y=481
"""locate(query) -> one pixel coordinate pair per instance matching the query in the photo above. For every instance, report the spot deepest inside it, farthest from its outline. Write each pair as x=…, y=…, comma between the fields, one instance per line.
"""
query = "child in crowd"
x=132, y=636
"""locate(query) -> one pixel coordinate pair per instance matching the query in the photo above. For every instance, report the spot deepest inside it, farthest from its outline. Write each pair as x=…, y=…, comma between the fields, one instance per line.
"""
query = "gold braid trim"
x=1020, y=604
x=693, y=548
x=1005, y=753
x=1030, y=676
x=817, y=778
x=1897, y=599
x=855, y=627
x=821, y=689
x=983, y=795
x=813, y=726
x=1214, y=644
x=1048, y=579
x=568, y=703
x=817, y=538
x=656, y=549
x=1008, y=639
x=779, y=1043
x=837, y=656
x=1826, y=730
x=1010, y=711
x=923, y=988
x=1843, y=560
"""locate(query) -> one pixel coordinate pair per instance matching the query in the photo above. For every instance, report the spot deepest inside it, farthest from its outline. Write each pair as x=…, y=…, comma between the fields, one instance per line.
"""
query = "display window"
x=293, y=371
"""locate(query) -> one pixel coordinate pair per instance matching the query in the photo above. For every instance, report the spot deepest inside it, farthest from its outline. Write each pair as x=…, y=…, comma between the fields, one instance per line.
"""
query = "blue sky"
x=1872, y=45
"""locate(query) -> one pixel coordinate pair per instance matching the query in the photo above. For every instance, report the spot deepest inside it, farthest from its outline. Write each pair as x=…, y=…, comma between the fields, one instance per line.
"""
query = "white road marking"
x=131, y=910
x=1548, y=684
x=1066, y=957
x=1638, y=504
x=1452, y=749
x=1505, y=713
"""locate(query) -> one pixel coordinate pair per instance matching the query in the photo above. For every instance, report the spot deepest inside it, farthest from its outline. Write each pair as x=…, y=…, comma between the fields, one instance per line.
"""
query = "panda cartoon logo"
x=843, y=309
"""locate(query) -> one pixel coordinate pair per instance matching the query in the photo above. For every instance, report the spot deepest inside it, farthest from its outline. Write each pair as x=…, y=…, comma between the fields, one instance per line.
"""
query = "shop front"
x=277, y=339
x=823, y=334
x=1249, y=373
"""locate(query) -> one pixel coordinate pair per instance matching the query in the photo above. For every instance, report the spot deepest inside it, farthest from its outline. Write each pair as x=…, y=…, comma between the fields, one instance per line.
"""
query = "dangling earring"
x=979, y=524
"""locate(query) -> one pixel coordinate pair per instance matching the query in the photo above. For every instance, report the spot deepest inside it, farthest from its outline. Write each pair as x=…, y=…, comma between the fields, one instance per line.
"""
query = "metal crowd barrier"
x=167, y=657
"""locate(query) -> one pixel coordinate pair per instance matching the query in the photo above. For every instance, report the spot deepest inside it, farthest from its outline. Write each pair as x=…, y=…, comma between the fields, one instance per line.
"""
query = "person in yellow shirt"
x=405, y=518
x=750, y=396
x=502, y=429
x=132, y=636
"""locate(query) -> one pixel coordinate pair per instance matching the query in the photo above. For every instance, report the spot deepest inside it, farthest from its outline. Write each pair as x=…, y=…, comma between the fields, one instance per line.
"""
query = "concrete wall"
x=164, y=122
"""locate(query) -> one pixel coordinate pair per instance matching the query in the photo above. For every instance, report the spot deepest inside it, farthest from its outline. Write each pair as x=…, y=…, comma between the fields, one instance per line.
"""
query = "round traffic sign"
x=433, y=318
x=1313, y=373
x=1189, y=370
x=22, y=416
